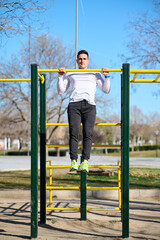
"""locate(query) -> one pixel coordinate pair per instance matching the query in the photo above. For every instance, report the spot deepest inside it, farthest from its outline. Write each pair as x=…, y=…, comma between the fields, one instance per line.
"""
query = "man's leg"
x=88, y=120
x=74, y=119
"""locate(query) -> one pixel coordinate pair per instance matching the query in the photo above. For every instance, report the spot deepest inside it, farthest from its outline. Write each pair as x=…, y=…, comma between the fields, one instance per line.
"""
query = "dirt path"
x=144, y=221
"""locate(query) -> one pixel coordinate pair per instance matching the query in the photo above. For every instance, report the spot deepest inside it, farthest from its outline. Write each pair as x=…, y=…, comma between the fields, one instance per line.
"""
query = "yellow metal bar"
x=103, y=166
x=158, y=76
x=103, y=209
x=78, y=209
x=77, y=188
x=80, y=146
x=79, y=70
x=116, y=167
x=57, y=124
x=15, y=80
x=96, y=124
x=149, y=71
x=119, y=185
x=48, y=167
x=41, y=78
x=62, y=209
x=105, y=188
x=145, y=81
x=153, y=71
x=134, y=77
x=62, y=188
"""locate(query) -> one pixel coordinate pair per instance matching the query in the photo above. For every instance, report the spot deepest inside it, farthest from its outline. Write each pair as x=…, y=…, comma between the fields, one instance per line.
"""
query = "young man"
x=82, y=107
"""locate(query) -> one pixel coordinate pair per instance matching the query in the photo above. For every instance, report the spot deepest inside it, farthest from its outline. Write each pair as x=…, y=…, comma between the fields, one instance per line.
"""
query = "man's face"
x=82, y=61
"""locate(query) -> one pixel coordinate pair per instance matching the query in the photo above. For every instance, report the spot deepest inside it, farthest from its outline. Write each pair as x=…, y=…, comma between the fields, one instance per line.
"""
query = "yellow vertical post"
x=119, y=185
x=50, y=184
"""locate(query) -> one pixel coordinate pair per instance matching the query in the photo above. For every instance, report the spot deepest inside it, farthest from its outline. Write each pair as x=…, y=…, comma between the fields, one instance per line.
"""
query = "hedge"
x=93, y=151
x=146, y=148
x=54, y=153
x=18, y=153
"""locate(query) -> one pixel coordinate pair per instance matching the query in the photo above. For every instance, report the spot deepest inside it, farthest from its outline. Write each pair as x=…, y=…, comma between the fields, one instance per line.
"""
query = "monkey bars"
x=125, y=80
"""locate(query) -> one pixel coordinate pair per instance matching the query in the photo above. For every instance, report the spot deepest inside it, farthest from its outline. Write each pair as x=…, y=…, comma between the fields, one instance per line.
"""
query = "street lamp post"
x=156, y=133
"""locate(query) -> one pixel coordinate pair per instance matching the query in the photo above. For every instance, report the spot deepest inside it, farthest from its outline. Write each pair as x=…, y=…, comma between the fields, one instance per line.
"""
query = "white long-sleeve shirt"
x=82, y=85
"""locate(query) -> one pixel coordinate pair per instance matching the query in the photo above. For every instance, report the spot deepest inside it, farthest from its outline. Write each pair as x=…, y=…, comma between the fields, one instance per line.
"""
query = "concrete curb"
x=97, y=194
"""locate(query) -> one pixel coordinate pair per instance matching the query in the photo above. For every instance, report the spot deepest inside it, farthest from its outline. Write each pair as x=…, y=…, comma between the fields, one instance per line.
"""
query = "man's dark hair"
x=82, y=52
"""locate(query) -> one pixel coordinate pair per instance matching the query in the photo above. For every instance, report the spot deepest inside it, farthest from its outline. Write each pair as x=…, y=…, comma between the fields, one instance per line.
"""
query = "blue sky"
x=102, y=31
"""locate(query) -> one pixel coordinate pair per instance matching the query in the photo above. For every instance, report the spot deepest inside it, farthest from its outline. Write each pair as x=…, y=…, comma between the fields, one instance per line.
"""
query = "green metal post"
x=34, y=151
x=125, y=148
x=43, y=151
x=83, y=195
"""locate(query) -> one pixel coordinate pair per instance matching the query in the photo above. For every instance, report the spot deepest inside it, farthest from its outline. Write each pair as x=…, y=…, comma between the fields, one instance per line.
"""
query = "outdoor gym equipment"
x=125, y=80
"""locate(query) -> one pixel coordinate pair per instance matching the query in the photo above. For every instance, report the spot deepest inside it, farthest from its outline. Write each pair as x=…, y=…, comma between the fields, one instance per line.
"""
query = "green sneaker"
x=84, y=166
x=74, y=166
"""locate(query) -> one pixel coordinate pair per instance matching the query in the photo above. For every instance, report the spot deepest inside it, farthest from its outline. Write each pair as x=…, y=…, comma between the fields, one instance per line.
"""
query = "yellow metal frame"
x=50, y=167
x=80, y=146
x=133, y=80
x=145, y=71
x=50, y=188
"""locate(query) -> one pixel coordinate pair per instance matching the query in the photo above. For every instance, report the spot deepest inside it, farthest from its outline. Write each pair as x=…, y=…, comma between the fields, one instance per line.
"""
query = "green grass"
x=15, y=180
x=140, y=178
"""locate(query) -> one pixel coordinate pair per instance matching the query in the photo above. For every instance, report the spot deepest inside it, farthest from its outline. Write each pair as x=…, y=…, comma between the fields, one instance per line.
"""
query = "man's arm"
x=62, y=84
x=103, y=84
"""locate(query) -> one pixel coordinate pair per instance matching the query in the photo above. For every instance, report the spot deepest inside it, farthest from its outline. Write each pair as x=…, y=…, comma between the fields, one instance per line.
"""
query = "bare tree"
x=14, y=98
x=136, y=123
x=153, y=122
x=144, y=44
x=17, y=15
x=49, y=53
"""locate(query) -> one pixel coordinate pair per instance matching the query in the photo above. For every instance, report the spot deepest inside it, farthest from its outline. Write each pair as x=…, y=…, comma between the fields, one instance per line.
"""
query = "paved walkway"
x=24, y=162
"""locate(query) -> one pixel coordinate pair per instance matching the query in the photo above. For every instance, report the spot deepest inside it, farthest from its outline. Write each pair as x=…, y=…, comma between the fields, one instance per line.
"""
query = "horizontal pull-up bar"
x=147, y=71
x=79, y=70
x=96, y=124
x=15, y=80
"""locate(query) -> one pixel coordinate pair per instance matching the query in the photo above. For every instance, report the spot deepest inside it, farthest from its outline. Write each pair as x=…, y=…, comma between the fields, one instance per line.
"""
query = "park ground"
x=15, y=220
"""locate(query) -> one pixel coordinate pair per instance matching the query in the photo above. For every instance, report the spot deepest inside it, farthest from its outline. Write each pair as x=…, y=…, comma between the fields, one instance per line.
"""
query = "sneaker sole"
x=84, y=171
x=73, y=169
